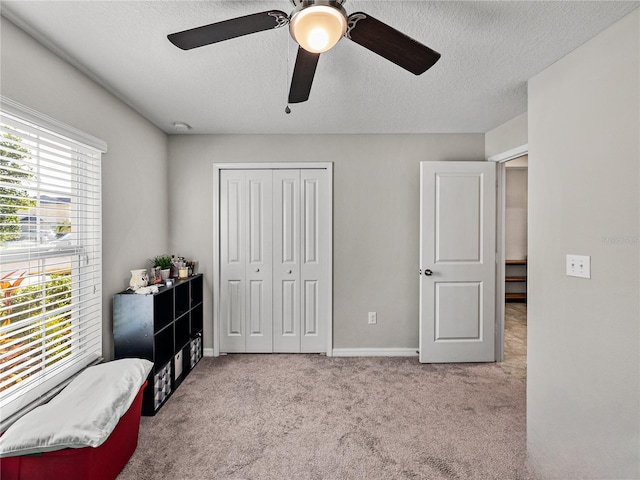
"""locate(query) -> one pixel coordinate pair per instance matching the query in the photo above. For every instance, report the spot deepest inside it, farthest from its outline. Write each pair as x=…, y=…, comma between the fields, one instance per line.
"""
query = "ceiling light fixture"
x=318, y=25
x=181, y=126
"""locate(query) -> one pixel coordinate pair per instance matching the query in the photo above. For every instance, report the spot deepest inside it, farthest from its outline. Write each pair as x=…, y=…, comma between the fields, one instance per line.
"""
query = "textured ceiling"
x=489, y=50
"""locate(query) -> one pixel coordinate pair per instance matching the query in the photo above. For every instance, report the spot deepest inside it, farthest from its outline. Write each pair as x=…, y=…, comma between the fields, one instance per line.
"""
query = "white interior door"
x=258, y=226
x=286, y=261
x=246, y=260
x=315, y=259
x=457, y=261
x=233, y=253
x=275, y=260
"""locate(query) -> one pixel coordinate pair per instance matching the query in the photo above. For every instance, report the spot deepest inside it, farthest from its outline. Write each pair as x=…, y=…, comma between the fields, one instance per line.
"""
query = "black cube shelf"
x=164, y=328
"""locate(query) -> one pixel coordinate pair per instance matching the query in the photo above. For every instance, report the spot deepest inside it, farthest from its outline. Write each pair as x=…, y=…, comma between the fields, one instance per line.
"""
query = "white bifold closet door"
x=273, y=260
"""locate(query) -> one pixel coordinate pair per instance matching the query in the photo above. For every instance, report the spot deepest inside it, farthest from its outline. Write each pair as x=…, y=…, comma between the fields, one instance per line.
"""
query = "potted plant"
x=164, y=262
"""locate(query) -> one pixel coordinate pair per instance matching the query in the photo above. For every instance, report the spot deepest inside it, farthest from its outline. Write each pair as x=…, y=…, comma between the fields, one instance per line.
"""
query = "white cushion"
x=83, y=414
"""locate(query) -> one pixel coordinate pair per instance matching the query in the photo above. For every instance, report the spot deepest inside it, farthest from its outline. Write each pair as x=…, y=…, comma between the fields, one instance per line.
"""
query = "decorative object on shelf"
x=164, y=262
x=183, y=271
x=180, y=268
x=139, y=278
x=191, y=266
x=174, y=268
x=147, y=290
x=155, y=277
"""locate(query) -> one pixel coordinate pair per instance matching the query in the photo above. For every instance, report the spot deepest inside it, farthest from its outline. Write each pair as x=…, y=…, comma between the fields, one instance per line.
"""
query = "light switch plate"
x=579, y=266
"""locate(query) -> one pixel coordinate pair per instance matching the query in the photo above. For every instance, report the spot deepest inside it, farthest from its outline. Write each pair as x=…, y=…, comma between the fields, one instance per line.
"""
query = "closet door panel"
x=314, y=256
x=289, y=316
x=259, y=259
x=310, y=302
x=286, y=261
x=232, y=260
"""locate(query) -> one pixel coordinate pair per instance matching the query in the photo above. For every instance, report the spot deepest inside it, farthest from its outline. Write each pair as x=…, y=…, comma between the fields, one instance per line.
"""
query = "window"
x=50, y=254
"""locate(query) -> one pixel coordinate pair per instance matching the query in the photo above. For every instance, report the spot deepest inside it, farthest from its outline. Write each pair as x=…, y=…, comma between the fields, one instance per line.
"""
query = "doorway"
x=501, y=161
x=272, y=258
x=516, y=263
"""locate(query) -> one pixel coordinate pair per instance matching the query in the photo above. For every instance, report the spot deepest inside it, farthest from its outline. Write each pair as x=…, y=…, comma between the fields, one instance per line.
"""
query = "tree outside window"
x=15, y=198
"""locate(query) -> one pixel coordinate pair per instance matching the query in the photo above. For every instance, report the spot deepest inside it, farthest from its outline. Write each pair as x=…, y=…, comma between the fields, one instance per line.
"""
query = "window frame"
x=86, y=265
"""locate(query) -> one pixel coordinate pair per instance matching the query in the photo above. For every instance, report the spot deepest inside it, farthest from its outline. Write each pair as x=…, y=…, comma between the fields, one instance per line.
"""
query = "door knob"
x=428, y=272
x=289, y=271
x=257, y=270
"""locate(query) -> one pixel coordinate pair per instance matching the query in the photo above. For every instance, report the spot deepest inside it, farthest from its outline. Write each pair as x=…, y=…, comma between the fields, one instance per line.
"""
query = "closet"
x=515, y=225
x=274, y=260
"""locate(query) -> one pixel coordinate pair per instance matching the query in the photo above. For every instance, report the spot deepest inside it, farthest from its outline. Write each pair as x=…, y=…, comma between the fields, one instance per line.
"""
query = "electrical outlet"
x=373, y=318
x=579, y=266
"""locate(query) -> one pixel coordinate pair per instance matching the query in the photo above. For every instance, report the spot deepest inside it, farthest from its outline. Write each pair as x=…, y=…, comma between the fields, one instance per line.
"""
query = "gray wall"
x=134, y=169
x=504, y=137
x=375, y=224
x=583, y=391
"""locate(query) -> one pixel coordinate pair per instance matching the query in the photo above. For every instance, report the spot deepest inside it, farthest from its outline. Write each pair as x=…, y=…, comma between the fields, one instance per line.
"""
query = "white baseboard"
x=357, y=352
x=375, y=352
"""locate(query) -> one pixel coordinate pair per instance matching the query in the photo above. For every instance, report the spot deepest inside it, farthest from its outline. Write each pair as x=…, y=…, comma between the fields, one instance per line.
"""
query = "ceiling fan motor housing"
x=317, y=25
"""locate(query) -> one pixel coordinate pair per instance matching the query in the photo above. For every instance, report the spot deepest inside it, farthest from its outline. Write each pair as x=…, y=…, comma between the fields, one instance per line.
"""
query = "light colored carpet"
x=515, y=339
x=313, y=417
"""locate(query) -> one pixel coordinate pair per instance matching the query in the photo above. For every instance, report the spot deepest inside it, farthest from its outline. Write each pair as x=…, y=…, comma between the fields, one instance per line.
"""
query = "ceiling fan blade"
x=227, y=29
x=389, y=43
x=303, y=73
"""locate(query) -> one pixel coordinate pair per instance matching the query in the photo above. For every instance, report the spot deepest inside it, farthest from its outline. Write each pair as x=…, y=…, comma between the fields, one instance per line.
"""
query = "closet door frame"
x=217, y=169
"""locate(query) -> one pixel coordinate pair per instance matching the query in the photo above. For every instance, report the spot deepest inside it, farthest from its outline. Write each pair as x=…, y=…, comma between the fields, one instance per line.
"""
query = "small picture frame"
x=156, y=276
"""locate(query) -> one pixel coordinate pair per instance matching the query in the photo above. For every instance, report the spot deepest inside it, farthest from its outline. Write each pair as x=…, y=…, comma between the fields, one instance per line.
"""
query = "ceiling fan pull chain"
x=287, y=110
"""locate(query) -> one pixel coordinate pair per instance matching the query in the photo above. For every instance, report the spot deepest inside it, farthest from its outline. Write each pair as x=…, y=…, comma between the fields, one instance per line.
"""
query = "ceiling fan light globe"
x=317, y=28
x=318, y=39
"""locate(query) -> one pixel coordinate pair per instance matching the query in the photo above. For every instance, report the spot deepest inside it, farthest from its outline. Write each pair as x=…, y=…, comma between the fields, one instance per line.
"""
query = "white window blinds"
x=50, y=255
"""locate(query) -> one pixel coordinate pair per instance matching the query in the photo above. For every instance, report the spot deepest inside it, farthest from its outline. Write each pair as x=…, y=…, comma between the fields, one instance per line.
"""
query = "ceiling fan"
x=317, y=26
